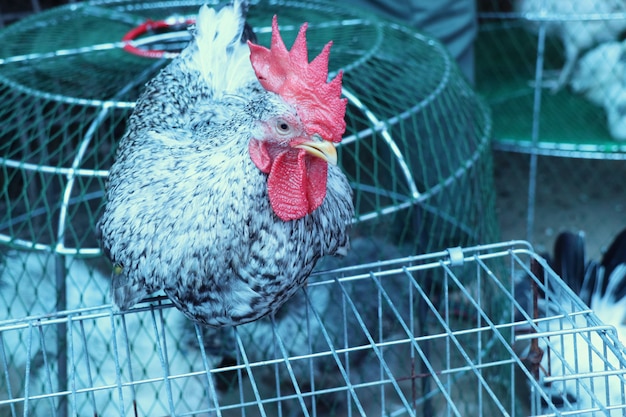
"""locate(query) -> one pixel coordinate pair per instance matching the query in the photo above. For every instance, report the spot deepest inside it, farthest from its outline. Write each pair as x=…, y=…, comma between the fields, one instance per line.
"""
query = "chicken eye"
x=282, y=127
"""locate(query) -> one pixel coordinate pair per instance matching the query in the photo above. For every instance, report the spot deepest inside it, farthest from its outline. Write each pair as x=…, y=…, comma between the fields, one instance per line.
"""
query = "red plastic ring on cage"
x=145, y=27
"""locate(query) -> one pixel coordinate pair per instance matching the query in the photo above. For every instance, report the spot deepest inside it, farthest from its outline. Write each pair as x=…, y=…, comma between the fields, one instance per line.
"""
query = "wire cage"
x=399, y=351
x=546, y=97
x=552, y=74
x=416, y=152
x=68, y=83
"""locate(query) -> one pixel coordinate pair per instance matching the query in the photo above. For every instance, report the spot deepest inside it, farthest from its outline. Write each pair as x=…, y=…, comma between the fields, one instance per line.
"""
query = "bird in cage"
x=600, y=76
x=225, y=191
x=580, y=24
x=601, y=286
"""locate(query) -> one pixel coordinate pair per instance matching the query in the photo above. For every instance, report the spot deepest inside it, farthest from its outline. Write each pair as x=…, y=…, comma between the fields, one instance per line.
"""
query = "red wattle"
x=296, y=184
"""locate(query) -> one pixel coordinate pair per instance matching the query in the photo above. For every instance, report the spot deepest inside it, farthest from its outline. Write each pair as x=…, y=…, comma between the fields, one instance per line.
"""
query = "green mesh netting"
x=508, y=49
x=416, y=151
x=516, y=71
x=416, y=147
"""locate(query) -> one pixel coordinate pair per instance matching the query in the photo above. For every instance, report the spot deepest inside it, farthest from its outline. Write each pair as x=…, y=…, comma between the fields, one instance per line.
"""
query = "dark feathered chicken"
x=578, y=352
x=225, y=190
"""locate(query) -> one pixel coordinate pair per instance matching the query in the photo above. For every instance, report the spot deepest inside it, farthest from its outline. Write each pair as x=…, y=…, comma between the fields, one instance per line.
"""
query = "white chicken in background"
x=574, y=351
x=600, y=75
x=581, y=24
x=27, y=288
x=598, y=71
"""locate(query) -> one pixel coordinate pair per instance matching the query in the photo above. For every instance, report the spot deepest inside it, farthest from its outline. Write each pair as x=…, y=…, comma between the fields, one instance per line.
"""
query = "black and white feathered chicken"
x=602, y=286
x=225, y=190
x=318, y=321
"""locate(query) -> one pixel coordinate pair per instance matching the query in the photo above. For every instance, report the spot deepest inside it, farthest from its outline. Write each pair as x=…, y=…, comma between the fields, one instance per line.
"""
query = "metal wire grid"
x=333, y=350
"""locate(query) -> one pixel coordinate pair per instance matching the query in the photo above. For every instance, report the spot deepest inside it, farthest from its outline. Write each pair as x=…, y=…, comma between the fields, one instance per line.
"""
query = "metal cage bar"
x=403, y=351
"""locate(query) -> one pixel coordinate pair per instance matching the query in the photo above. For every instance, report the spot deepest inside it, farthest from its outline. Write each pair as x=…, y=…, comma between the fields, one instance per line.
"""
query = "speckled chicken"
x=225, y=190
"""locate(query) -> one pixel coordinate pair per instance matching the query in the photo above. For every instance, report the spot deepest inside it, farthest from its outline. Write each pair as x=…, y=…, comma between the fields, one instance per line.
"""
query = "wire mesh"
x=417, y=155
x=542, y=50
x=359, y=340
x=524, y=50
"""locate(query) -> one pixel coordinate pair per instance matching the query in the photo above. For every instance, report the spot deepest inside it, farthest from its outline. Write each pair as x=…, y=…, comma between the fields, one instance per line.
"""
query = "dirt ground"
x=571, y=194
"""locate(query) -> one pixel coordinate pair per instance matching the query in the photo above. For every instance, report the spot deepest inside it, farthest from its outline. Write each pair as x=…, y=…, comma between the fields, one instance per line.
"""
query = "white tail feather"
x=609, y=309
x=222, y=58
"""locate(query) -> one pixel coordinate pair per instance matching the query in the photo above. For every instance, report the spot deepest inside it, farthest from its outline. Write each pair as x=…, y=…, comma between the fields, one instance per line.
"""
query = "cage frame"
x=497, y=265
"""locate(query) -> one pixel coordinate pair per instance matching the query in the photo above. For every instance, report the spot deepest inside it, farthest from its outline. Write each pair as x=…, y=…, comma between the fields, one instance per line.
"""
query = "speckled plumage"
x=188, y=211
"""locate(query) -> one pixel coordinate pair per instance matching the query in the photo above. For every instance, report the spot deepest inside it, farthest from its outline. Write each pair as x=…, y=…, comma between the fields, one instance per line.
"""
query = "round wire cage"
x=416, y=149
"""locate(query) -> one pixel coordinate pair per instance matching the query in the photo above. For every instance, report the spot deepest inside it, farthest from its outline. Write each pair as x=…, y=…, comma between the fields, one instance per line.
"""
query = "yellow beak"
x=320, y=148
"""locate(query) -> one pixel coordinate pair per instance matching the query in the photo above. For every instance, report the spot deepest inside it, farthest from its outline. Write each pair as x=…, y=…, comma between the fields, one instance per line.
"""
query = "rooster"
x=571, y=21
x=225, y=190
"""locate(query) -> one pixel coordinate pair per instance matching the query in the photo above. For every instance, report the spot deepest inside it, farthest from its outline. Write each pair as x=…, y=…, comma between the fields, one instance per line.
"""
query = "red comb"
x=302, y=84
